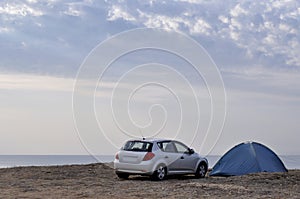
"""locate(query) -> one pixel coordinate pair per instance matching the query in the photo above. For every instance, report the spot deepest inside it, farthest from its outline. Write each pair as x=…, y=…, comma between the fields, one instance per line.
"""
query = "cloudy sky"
x=255, y=45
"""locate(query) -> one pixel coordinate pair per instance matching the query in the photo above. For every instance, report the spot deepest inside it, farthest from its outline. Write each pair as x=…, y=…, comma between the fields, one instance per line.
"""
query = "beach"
x=99, y=181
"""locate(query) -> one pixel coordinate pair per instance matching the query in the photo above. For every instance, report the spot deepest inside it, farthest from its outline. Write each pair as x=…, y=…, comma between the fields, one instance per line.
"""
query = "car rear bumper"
x=144, y=168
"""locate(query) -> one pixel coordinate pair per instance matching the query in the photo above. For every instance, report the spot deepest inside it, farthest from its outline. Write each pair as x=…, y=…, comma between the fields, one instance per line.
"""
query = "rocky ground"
x=99, y=181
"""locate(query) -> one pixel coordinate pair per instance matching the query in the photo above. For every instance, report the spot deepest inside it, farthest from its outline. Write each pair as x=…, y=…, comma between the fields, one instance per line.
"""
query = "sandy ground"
x=99, y=181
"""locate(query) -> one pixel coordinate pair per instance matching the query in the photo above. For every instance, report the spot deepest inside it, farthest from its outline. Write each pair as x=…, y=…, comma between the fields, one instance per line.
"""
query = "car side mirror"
x=191, y=151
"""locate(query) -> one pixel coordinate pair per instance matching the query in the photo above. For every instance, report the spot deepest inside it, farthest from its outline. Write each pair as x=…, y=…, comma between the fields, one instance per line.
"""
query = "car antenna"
x=140, y=130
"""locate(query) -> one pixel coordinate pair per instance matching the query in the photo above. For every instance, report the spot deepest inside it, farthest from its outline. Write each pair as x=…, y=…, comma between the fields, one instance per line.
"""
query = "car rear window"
x=138, y=146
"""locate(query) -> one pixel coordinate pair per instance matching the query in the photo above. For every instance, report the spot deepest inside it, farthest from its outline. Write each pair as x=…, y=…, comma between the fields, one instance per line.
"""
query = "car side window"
x=167, y=147
x=181, y=148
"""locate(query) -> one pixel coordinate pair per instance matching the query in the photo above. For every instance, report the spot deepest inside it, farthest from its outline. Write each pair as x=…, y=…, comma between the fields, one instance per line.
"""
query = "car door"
x=187, y=161
x=170, y=155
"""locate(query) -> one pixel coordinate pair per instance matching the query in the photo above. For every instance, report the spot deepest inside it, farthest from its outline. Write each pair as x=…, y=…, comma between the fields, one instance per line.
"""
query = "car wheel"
x=160, y=173
x=201, y=171
x=123, y=175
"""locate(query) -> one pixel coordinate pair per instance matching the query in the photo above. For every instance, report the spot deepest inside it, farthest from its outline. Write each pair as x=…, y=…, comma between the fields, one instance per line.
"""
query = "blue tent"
x=248, y=157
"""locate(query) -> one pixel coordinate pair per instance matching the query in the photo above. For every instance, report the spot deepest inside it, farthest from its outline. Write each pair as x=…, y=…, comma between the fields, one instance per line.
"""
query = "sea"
x=7, y=161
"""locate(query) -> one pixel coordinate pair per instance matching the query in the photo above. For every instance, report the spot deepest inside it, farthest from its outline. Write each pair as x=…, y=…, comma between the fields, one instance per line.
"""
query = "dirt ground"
x=100, y=181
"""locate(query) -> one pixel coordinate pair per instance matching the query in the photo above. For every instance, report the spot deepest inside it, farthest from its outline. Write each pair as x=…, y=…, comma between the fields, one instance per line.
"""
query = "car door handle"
x=166, y=156
x=181, y=157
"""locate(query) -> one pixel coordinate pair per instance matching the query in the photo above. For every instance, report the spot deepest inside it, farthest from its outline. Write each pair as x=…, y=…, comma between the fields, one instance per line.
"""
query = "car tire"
x=160, y=173
x=201, y=170
x=123, y=175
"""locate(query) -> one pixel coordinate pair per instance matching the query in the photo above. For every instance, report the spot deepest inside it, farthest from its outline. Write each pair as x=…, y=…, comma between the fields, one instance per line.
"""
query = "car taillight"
x=148, y=156
x=117, y=156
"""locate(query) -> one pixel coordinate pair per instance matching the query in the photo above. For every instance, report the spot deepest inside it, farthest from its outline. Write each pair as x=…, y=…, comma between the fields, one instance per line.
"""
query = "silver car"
x=158, y=158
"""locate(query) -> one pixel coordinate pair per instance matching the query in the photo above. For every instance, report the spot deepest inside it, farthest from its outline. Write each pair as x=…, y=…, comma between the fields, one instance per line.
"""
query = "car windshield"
x=138, y=146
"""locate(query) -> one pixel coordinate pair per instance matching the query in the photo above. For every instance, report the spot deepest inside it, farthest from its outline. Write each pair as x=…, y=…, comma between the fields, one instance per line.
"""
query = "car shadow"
x=171, y=177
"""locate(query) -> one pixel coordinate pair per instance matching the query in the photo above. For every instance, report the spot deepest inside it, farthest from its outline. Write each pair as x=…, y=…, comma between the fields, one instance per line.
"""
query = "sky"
x=254, y=46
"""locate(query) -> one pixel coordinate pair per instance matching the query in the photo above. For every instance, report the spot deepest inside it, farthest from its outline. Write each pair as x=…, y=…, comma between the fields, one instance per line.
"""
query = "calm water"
x=47, y=160
x=291, y=162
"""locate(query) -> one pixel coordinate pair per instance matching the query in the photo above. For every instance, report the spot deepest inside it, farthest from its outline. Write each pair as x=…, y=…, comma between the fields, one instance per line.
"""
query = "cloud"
x=260, y=30
x=236, y=33
x=224, y=19
x=238, y=11
x=200, y=27
x=266, y=82
x=5, y=30
x=19, y=10
x=35, y=82
x=72, y=11
x=56, y=41
x=116, y=12
x=160, y=21
x=32, y=1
